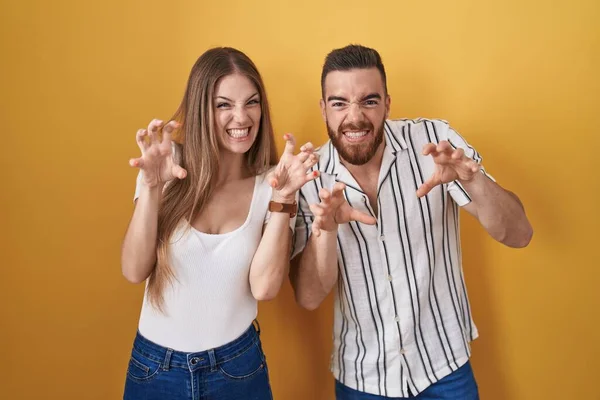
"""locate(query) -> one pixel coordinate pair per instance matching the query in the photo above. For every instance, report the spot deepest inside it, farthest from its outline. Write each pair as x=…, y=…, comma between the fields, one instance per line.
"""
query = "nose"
x=240, y=115
x=355, y=113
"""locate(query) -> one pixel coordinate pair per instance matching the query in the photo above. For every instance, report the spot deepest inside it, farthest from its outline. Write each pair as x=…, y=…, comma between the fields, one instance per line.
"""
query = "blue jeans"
x=459, y=385
x=236, y=370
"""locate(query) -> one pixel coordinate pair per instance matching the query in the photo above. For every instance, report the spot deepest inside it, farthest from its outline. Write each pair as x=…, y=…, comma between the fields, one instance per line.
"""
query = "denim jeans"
x=459, y=385
x=236, y=370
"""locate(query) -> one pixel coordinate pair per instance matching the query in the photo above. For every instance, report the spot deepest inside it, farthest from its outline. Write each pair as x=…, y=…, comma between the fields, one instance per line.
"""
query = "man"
x=384, y=218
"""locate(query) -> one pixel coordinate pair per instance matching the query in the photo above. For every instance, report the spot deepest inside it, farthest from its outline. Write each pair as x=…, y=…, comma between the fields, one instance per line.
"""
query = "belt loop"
x=257, y=326
x=213, y=360
x=167, y=361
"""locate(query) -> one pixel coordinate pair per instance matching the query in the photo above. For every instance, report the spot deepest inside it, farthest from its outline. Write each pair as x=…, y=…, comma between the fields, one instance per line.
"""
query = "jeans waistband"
x=209, y=358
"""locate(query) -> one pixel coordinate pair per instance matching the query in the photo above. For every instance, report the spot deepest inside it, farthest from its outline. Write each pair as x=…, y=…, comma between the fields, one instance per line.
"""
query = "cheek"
x=221, y=119
x=376, y=117
x=334, y=120
x=255, y=115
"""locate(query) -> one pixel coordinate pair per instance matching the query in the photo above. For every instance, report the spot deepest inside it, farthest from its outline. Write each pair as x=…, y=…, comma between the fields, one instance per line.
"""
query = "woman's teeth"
x=238, y=133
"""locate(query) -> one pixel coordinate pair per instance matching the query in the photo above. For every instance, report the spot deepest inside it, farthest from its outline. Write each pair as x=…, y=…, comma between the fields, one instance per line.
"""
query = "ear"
x=322, y=104
x=388, y=102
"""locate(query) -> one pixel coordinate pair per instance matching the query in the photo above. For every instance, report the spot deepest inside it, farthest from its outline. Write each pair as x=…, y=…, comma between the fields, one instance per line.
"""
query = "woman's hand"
x=291, y=172
x=157, y=154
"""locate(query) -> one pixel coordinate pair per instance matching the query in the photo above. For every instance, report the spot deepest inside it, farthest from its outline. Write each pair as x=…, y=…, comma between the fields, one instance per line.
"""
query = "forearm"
x=316, y=272
x=138, y=255
x=271, y=260
x=499, y=211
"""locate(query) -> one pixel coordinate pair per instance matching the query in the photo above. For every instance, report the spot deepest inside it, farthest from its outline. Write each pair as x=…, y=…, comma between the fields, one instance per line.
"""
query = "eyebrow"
x=372, y=96
x=367, y=97
x=336, y=98
x=228, y=99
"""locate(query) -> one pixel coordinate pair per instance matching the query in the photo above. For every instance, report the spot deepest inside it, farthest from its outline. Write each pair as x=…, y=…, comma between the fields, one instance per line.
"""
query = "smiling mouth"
x=238, y=133
x=353, y=135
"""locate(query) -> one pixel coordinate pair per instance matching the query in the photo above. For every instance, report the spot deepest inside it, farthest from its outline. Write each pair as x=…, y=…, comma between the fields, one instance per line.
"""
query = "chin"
x=358, y=154
x=237, y=148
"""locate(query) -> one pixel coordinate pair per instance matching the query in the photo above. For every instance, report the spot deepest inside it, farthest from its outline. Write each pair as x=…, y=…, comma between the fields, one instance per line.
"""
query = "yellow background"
x=519, y=79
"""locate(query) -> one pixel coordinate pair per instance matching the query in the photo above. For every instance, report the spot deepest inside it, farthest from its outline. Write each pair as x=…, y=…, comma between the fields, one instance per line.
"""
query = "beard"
x=359, y=153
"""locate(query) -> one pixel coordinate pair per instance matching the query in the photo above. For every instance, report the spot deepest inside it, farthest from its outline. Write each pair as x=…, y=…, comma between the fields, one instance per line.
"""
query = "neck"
x=232, y=168
x=369, y=168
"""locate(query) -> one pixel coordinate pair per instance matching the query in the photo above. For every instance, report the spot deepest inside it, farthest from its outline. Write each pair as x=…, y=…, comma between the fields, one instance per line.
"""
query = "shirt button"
x=397, y=319
x=389, y=278
x=364, y=199
x=402, y=351
x=382, y=238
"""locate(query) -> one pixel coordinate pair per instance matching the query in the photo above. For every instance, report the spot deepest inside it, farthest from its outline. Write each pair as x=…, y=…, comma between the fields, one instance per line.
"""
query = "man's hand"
x=450, y=165
x=334, y=210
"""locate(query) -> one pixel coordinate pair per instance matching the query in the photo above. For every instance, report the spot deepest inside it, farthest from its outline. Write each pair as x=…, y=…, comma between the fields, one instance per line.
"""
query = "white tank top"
x=210, y=303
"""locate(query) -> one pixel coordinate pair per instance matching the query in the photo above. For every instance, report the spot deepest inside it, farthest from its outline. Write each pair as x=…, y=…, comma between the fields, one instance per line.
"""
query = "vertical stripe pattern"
x=402, y=314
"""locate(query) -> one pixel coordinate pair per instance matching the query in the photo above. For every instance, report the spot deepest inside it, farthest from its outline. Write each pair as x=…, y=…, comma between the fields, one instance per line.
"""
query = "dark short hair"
x=353, y=56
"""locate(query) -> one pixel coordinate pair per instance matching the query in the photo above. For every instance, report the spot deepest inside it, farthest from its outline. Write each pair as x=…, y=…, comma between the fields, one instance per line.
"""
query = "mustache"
x=361, y=126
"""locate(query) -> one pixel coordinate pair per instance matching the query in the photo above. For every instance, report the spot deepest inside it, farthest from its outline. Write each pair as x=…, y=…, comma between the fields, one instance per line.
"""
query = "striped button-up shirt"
x=402, y=315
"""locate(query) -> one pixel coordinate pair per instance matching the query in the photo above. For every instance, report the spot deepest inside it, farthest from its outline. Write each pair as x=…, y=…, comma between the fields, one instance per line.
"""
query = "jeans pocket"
x=141, y=368
x=244, y=366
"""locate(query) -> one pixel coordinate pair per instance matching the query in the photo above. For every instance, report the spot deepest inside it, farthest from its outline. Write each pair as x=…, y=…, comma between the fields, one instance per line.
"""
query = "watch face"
x=282, y=207
x=275, y=206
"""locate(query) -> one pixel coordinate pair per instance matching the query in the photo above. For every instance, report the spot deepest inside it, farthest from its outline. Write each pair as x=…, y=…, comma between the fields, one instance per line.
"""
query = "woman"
x=211, y=235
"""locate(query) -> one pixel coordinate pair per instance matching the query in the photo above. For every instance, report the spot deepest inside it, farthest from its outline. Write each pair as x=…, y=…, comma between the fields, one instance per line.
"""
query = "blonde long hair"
x=185, y=199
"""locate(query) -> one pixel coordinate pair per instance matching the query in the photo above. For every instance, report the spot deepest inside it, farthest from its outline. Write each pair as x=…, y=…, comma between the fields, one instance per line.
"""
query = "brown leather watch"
x=284, y=208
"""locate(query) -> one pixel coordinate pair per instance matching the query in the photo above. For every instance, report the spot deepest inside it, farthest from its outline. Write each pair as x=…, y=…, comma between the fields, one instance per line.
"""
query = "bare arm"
x=499, y=211
x=138, y=253
x=271, y=263
x=139, y=245
x=271, y=260
x=315, y=271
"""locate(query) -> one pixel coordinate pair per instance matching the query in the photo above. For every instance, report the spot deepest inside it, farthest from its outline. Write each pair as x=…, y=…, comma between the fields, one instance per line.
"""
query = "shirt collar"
x=329, y=160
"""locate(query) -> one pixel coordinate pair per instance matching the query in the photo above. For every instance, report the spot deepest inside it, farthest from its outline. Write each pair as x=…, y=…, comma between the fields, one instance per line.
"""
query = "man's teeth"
x=354, y=135
x=238, y=133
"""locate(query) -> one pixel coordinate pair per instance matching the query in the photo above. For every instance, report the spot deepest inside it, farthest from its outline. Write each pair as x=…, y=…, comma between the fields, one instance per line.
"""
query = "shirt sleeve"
x=456, y=189
x=304, y=221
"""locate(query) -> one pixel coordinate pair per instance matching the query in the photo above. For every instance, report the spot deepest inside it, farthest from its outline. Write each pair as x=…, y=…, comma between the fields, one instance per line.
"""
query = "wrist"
x=474, y=180
x=329, y=225
x=152, y=182
x=472, y=176
x=283, y=203
x=283, y=198
x=327, y=234
x=155, y=185
x=152, y=190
